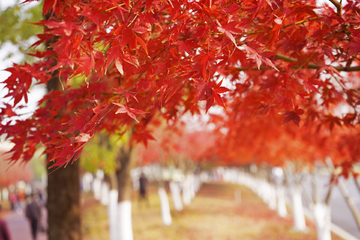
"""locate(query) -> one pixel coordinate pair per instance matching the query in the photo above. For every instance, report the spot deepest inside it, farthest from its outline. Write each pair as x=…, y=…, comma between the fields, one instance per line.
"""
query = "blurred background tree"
x=17, y=32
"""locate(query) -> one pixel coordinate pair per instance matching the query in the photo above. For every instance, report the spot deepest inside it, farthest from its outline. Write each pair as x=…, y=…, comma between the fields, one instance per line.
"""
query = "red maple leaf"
x=293, y=116
x=354, y=46
x=129, y=111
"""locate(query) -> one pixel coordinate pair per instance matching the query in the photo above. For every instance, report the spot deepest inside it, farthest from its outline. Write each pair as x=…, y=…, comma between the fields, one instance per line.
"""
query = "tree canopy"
x=17, y=26
x=289, y=63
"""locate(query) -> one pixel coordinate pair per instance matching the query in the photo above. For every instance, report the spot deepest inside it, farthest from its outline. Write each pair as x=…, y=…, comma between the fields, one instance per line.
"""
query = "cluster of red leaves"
x=243, y=140
x=142, y=58
x=175, y=145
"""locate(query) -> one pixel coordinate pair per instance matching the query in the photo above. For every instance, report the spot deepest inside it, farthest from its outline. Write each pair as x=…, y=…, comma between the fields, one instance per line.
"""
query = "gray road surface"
x=20, y=227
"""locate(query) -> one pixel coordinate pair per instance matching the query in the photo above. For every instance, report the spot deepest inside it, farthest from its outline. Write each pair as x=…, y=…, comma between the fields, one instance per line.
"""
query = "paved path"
x=20, y=227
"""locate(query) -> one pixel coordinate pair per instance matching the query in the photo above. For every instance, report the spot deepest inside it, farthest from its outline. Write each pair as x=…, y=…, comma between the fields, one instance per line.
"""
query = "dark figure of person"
x=142, y=189
x=4, y=230
x=142, y=186
x=33, y=214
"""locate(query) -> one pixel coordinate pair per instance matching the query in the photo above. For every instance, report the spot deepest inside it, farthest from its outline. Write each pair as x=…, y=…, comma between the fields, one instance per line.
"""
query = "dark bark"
x=111, y=180
x=64, y=203
x=123, y=174
x=63, y=191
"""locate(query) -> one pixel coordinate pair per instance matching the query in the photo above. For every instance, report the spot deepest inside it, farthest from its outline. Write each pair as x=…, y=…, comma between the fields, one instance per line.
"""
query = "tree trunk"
x=63, y=190
x=186, y=191
x=124, y=198
x=165, y=207
x=323, y=221
x=298, y=210
x=113, y=206
x=87, y=179
x=175, y=193
x=63, y=203
x=281, y=204
x=97, y=188
x=104, y=193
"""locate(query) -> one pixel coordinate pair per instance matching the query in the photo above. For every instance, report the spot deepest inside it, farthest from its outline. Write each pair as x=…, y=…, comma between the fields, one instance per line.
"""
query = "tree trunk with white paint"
x=272, y=197
x=113, y=214
x=192, y=186
x=294, y=180
x=175, y=194
x=197, y=182
x=87, y=178
x=165, y=207
x=97, y=188
x=281, y=204
x=298, y=210
x=186, y=191
x=322, y=221
x=125, y=220
x=104, y=200
x=112, y=206
x=124, y=224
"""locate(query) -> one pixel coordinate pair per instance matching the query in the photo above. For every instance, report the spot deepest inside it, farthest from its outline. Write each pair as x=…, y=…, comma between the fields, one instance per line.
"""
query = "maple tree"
x=121, y=62
x=154, y=56
x=18, y=19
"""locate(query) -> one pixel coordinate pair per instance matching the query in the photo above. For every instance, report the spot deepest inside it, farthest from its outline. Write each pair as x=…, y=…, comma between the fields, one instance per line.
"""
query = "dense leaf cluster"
x=142, y=59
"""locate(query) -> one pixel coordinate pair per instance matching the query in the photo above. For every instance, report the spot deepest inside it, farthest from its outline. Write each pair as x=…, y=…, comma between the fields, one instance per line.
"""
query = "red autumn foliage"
x=147, y=58
x=175, y=144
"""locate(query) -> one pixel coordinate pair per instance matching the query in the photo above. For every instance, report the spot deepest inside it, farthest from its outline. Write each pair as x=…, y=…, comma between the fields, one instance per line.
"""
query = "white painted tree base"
x=124, y=224
x=272, y=198
x=192, y=186
x=298, y=210
x=186, y=192
x=175, y=194
x=87, y=179
x=104, y=200
x=165, y=207
x=322, y=216
x=97, y=188
x=112, y=214
x=281, y=204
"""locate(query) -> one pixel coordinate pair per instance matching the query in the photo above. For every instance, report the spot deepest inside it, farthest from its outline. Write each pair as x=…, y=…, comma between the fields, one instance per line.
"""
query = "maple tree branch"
x=337, y=5
x=307, y=195
x=357, y=183
x=152, y=60
x=302, y=21
x=315, y=66
x=310, y=66
x=328, y=195
x=291, y=24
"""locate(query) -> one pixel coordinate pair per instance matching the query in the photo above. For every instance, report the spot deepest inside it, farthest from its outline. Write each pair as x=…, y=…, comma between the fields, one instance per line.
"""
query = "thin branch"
x=357, y=183
x=337, y=5
x=307, y=196
x=309, y=66
x=315, y=66
x=288, y=25
x=330, y=165
x=302, y=21
x=328, y=195
x=315, y=188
